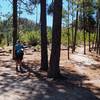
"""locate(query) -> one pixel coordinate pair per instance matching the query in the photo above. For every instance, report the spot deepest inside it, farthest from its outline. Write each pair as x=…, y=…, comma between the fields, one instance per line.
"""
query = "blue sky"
x=6, y=7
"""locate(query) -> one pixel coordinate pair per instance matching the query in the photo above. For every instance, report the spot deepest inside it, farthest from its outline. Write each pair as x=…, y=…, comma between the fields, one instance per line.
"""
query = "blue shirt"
x=18, y=47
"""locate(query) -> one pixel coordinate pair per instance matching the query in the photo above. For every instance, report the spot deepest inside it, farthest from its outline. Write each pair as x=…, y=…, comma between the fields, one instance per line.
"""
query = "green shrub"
x=32, y=38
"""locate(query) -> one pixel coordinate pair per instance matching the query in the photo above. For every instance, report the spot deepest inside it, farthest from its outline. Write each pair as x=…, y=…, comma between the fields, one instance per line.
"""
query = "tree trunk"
x=94, y=45
x=14, y=26
x=68, y=34
x=97, y=37
x=76, y=28
x=72, y=28
x=84, y=28
x=44, y=52
x=89, y=42
x=84, y=41
x=99, y=28
x=54, y=70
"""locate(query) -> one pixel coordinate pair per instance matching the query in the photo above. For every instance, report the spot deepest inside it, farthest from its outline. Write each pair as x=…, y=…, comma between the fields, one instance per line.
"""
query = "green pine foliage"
x=80, y=37
x=29, y=33
x=33, y=37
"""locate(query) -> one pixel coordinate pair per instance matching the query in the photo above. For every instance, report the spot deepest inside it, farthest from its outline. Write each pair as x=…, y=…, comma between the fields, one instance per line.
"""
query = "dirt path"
x=82, y=79
x=87, y=66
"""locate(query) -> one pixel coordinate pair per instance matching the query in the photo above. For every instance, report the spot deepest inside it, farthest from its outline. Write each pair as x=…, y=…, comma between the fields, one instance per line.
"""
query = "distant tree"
x=1, y=38
x=72, y=23
x=76, y=28
x=84, y=27
x=98, y=26
x=68, y=34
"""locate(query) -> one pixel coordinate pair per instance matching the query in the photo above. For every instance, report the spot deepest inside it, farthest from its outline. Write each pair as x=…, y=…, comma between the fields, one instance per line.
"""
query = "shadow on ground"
x=39, y=87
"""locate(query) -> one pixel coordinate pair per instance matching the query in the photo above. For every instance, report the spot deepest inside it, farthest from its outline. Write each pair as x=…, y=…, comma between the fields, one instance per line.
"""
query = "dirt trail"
x=82, y=79
x=86, y=65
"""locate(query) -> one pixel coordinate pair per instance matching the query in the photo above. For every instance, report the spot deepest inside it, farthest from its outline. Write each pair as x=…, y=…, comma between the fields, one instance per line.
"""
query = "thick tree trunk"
x=44, y=52
x=14, y=26
x=54, y=70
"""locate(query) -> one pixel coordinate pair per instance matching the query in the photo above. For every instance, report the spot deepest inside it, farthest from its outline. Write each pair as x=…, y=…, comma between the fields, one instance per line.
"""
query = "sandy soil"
x=81, y=82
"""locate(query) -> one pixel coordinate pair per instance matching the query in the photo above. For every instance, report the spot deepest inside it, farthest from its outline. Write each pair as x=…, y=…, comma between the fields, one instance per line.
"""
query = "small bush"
x=32, y=38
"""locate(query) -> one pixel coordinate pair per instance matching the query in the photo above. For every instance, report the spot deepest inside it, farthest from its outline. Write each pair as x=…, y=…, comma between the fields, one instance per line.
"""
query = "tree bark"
x=89, y=42
x=72, y=28
x=98, y=34
x=44, y=51
x=14, y=26
x=84, y=33
x=99, y=28
x=76, y=28
x=68, y=34
x=54, y=70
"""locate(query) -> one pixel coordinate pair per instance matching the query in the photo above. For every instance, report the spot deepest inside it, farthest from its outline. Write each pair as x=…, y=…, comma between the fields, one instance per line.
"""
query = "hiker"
x=19, y=52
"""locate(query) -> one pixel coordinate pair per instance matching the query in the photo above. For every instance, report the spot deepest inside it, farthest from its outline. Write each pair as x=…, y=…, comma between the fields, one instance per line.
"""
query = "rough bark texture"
x=54, y=70
x=76, y=27
x=44, y=52
x=14, y=25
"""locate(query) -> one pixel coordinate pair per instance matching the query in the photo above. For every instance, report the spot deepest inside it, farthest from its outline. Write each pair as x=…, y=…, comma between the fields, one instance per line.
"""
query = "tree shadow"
x=4, y=54
x=95, y=56
x=66, y=88
x=93, y=88
x=39, y=87
x=93, y=66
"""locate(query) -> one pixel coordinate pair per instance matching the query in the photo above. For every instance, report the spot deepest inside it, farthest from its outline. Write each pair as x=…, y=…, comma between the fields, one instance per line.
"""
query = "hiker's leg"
x=20, y=63
x=17, y=63
x=21, y=58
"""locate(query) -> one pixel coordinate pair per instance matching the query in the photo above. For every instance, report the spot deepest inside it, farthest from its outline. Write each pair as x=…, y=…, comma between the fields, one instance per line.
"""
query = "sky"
x=6, y=8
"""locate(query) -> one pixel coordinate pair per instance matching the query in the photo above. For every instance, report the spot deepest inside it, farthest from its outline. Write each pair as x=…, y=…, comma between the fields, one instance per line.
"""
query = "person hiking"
x=19, y=52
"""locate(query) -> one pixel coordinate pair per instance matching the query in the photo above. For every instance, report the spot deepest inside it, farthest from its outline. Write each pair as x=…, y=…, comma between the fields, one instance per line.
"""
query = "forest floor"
x=81, y=82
